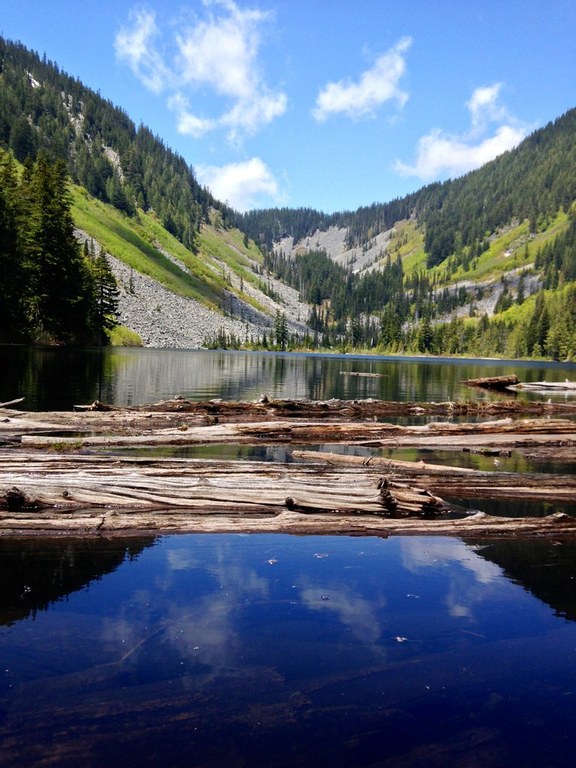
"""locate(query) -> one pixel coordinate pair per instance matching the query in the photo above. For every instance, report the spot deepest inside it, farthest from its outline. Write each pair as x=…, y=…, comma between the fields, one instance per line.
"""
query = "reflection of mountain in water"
x=546, y=569
x=37, y=572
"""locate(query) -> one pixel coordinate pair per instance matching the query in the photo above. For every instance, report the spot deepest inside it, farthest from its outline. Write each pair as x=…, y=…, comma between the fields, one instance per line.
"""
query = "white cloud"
x=485, y=108
x=135, y=46
x=440, y=154
x=243, y=185
x=215, y=55
x=187, y=123
x=374, y=87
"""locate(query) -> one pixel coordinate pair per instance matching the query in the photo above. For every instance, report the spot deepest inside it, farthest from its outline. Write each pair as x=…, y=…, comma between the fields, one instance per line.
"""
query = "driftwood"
x=68, y=483
x=499, y=383
x=546, y=387
x=47, y=484
x=460, y=482
x=12, y=402
x=362, y=374
x=500, y=434
x=91, y=495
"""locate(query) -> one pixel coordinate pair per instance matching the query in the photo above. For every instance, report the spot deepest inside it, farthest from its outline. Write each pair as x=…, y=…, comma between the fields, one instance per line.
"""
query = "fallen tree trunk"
x=501, y=433
x=499, y=383
x=11, y=402
x=76, y=493
x=460, y=482
x=45, y=483
x=194, y=484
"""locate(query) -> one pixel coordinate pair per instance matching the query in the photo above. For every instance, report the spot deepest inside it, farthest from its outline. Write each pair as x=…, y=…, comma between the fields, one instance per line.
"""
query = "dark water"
x=267, y=650
x=54, y=379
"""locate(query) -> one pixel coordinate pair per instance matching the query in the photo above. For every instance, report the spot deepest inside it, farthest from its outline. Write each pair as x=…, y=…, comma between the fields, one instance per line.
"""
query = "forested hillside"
x=482, y=265
x=43, y=110
x=472, y=265
x=120, y=193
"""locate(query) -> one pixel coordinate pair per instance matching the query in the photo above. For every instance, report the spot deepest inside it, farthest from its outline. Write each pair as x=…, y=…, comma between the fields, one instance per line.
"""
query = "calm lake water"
x=265, y=651
x=51, y=378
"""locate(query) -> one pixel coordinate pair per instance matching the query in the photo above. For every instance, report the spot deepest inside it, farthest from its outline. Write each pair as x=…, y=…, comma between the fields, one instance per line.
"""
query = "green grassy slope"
x=142, y=243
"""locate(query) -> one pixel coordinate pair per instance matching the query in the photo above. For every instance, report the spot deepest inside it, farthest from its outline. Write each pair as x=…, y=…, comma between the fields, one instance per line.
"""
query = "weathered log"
x=459, y=482
x=241, y=486
x=545, y=386
x=499, y=383
x=378, y=461
x=63, y=490
x=11, y=402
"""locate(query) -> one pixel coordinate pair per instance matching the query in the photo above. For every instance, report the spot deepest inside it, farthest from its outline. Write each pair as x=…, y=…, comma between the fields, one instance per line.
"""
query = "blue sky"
x=328, y=104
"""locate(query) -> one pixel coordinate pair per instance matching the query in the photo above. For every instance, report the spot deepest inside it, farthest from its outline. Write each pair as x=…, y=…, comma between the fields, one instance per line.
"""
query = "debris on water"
x=320, y=555
x=325, y=597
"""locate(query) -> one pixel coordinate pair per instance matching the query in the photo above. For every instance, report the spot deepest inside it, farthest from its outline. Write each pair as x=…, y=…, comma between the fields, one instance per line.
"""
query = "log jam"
x=65, y=472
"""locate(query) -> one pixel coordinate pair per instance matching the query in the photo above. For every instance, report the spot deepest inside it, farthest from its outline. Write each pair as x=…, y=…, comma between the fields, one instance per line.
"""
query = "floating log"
x=8, y=403
x=545, y=386
x=380, y=462
x=195, y=484
x=499, y=383
x=362, y=374
x=47, y=485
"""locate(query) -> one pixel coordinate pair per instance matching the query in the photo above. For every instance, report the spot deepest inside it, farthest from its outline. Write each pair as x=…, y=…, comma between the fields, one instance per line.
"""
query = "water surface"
x=56, y=379
x=202, y=650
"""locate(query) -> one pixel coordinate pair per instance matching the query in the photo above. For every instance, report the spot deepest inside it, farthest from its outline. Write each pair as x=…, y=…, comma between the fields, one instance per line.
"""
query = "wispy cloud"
x=244, y=185
x=377, y=85
x=217, y=54
x=135, y=45
x=440, y=154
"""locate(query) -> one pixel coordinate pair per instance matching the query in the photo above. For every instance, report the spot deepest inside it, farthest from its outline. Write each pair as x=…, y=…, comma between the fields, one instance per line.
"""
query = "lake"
x=56, y=379
x=275, y=650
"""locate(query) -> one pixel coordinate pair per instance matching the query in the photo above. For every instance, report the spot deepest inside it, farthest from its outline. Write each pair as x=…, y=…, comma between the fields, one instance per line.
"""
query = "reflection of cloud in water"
x=463, y=594
x=353, y=611
x=199, y=628
x=418, y=554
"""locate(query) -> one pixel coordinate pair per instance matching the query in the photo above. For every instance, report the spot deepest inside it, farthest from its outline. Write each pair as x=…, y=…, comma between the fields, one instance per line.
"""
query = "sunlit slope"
x=223, y=259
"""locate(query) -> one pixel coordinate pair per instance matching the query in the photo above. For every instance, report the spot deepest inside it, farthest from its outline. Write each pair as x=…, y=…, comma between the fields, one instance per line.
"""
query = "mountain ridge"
x=456, y=267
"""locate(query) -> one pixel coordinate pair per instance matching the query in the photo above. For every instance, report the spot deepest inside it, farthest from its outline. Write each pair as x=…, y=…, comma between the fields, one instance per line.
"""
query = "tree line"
x=51, y=289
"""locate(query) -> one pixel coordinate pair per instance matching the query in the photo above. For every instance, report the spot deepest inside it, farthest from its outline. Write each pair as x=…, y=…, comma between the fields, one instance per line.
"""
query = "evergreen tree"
x=60, y=284
x=105, y=287
x=281, y=330
x=13, y=276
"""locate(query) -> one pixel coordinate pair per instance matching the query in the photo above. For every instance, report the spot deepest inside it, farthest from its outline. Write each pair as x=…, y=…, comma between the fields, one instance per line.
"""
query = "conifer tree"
x=13, y=324
x=105, y=297
x=60, y=296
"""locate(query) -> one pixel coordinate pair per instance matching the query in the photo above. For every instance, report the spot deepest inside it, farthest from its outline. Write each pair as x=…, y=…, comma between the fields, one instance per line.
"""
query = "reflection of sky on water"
x=325, y=646
x=208, y=598
x=470, y=580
